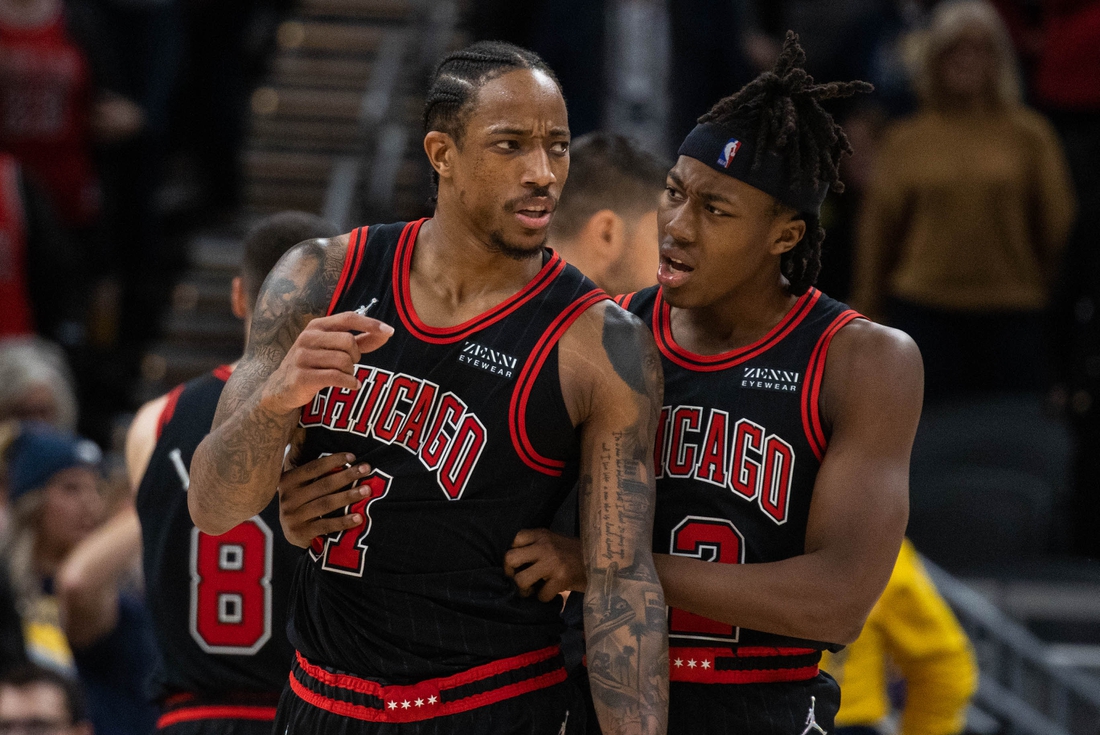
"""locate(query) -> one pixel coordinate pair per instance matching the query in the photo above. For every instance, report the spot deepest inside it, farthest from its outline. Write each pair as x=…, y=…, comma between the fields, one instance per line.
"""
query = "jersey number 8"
x=231, y=588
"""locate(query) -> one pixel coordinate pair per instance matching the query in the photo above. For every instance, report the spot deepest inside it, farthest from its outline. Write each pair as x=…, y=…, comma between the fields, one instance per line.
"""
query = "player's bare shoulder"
x=141, y=438
x=300, y=285
x=605, y=347
x=871, y=363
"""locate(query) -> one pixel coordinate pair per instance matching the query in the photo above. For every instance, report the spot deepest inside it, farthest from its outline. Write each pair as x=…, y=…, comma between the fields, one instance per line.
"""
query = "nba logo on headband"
x=728, y=152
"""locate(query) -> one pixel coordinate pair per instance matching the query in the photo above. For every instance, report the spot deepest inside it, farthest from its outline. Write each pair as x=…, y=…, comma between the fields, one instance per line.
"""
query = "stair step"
x=296, y=166
x=198, y=293
x=337, y=38
x=321, y=71
x=269, y=196
x=309, y=103
x=335, y=136
x=374, y=9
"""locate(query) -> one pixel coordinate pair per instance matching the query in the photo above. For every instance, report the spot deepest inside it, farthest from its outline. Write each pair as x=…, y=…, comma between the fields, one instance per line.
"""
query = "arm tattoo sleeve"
x=625, y=614
x=238, y=468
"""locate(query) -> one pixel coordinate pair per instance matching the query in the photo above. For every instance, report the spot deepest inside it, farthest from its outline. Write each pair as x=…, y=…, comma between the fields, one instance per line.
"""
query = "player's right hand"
x=313, y=490
x=543, y=562
x=323, y=355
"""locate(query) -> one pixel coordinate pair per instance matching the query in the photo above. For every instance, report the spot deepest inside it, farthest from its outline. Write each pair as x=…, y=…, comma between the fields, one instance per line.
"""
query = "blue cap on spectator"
x=40, y=452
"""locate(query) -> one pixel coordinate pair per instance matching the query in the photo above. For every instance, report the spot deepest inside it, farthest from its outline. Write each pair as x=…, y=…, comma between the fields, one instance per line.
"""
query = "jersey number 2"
x=231, y=588
x=709, y=539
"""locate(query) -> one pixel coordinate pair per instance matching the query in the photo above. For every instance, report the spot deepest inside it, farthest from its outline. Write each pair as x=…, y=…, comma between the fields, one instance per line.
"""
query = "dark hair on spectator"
x=271, y=237
x=458, y=77
x=26, y=675
x=783, y=106
x=608, y=171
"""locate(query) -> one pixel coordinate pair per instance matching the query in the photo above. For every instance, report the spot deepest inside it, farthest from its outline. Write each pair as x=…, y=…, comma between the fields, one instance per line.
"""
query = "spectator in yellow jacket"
x=912, y=632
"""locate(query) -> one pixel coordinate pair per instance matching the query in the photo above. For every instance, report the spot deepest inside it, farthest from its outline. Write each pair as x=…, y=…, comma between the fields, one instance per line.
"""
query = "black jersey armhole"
x=353, y=258
x=517, y=410
x=812, y=423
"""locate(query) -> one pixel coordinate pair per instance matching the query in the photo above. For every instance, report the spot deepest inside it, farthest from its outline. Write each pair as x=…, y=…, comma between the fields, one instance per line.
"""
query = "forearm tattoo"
x=244, y=457
x=625, y=614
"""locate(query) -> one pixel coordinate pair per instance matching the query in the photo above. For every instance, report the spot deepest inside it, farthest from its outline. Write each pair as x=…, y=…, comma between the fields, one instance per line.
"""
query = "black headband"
x=732, y=153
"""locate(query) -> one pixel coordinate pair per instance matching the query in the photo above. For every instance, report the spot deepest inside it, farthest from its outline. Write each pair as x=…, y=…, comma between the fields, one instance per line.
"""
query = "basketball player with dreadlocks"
x=457, y=377
x=783, y=446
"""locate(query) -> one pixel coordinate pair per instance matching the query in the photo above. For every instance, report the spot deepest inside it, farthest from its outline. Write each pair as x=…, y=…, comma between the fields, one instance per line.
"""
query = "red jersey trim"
x=811, y=390
x=222, y=372
x=402, y=264
x=428, y=690
x=662, y=331
x=704, y=670
x=624, y=300
x=517, y=409
x=352, y=259
x=216, y=712
x=169, y=409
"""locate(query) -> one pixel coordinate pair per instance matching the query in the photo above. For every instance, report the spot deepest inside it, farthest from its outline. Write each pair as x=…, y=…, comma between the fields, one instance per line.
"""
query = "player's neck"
x=742, y=317
x=574, y=254
x=454, y=272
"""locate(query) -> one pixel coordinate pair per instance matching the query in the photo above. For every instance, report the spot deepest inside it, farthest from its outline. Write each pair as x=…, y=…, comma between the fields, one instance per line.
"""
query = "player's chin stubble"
x=499, y=244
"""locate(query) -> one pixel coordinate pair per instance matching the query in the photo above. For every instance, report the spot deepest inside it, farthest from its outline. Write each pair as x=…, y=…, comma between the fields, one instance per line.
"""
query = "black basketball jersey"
x=470, y=441
x=218, y=603
x=738, y=447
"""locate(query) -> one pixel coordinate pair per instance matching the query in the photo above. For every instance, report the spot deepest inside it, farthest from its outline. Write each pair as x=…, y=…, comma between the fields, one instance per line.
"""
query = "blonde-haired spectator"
x=36, y=383
x=968, y=210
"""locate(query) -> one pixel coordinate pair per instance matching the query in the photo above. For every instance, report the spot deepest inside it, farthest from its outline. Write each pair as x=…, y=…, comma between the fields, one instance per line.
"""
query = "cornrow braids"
x=460, y=74
x=783, y=107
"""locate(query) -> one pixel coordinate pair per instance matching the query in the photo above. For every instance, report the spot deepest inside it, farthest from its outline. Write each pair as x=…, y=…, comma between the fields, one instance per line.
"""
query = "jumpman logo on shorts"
x=564, y=723
x=811, y=720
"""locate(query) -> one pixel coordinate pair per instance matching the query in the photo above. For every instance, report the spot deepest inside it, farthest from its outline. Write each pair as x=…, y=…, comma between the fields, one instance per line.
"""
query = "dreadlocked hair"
x=783, y=107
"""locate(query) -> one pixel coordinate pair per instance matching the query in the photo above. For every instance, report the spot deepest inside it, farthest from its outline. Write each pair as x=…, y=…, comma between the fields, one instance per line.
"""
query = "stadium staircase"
x=330, y=133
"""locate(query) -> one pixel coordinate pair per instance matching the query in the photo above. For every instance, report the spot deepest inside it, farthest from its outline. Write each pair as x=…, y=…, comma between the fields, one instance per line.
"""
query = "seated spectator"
x=52, y=107
x=37, y=700
x=913, y=631
x=36, y=383
x=77, y=615
x=606, y=221
x=966, y=215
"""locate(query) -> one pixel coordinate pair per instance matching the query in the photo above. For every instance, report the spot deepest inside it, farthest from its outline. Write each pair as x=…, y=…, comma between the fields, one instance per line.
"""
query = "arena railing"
x=376, y=166
x=1018, y=685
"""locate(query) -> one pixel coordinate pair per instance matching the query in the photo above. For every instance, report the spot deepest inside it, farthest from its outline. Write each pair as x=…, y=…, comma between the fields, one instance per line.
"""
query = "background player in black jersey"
x=784, y=445
x=497, y=138
x=218, y=604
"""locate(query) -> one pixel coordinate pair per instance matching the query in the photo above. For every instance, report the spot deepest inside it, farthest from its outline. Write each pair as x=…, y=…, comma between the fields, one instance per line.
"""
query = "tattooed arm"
x=612, y=382
x=293, y=351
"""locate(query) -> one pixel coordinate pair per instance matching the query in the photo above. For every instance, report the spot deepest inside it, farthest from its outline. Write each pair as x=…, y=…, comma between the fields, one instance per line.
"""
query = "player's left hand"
x=539, y=555
x=309, y=492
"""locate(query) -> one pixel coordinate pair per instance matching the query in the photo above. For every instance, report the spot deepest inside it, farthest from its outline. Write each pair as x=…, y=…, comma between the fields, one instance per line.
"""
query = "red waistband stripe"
x=363, y=699
x=216, y=712
x=749, y=665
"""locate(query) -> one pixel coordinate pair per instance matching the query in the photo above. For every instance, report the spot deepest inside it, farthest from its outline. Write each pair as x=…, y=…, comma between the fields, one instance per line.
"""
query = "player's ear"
x=605, y=234
x=787, y=232
x=238, y=299
x=440, y=148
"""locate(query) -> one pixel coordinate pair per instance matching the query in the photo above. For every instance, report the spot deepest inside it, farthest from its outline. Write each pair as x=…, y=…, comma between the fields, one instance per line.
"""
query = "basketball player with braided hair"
x=782, y=453
x=444, y=384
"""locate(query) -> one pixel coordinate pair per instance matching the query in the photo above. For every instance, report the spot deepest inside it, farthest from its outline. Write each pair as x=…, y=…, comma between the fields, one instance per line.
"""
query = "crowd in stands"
x=969, y=221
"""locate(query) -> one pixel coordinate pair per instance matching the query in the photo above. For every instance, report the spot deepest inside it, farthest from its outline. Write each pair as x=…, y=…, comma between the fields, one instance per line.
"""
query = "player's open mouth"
x=673, y=272
x=534, y=218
